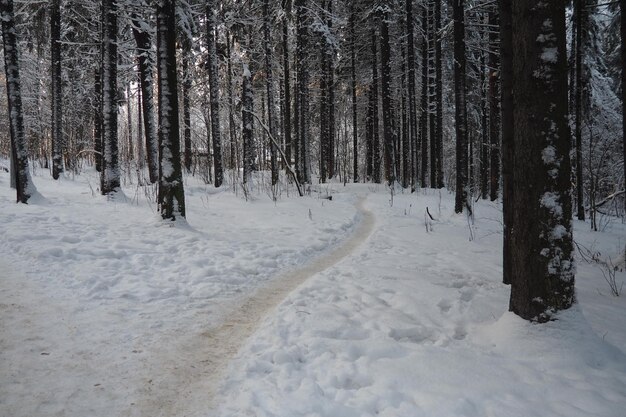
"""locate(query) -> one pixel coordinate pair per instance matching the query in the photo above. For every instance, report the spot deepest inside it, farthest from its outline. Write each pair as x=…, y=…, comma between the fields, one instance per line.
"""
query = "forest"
x=504, y=120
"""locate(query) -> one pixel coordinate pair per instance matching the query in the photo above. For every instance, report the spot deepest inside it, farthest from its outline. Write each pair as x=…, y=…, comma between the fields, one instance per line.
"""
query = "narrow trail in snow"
x=192, y=389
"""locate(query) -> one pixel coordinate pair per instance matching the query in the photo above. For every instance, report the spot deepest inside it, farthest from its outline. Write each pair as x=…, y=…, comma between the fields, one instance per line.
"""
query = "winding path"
x=190, y=389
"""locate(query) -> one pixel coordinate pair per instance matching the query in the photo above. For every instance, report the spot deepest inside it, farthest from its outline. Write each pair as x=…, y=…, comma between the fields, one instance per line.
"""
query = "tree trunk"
x=171, y=194
x=286, y=87
x=247, y=101
x=424, y=99
x=97, y=118
x=19, y=155
x=542, y=264
x=145, y=63
x=494, y=111
x=376, y=162
x=623, y=36
x=578, y=105
x=303, y=91
x=460, y=106
x=388, y=126
x=56, y=84
x=186, y=57
x=506, y=104
x=269, y=81
x=355, y=133
x=215, y=91
x=438, y=97
x=412, y=91
x=110, y=178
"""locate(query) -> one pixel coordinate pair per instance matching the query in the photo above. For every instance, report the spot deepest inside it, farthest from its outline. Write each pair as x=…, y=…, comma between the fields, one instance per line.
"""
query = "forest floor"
x=356, y=306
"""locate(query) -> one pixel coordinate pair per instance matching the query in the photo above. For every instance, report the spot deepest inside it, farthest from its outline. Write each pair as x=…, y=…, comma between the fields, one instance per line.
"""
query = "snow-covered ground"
x=106, y=311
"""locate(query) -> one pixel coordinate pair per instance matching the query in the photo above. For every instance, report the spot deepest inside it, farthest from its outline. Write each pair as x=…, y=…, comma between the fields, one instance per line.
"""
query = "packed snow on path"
x=107, y=311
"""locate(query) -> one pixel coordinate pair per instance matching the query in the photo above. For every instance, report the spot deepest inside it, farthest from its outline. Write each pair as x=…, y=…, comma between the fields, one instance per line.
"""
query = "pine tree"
x=171, y=194
x=19, y=155
x=57, y=93
x=110, y=175
x=214, y=91
x=542, y=280
x=460, y=106
x=145, y=63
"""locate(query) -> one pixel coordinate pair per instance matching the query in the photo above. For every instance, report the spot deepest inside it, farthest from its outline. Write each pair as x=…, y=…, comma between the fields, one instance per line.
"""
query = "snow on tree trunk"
x=97, y=118
x=171, y=194
x=110, y=175
x=57, y=93
x=542, y=280
x=355, y=132
x=303, y=160
x=19, y=155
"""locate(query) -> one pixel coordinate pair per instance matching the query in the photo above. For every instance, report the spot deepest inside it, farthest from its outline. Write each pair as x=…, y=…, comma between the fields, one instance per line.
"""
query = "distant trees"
x=542, y=270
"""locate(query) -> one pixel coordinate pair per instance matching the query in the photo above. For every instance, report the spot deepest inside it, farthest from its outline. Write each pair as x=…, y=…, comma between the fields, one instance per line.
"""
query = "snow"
x=108, y=311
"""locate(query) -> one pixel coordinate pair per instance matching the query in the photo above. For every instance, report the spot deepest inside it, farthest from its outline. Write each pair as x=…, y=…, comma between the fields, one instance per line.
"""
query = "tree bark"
x=269, y=82
x=110, y=175
x=355, y=133
x=623, y=36
x=214, y=91
x=286, y=85
x=494, y=110
x=19, y=154
x=56, y=84
x=248, y=125
x=506, y=105
x=438, y=97
x=145, y=63
x=412, y=91
x=171, y=194
x=460, y=106
x=542, y=282
x=423, y=138
x=578, y=105
x=186, y=57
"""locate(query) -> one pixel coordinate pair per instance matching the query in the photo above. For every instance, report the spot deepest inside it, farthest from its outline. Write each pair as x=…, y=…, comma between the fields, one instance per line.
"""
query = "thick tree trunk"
x=542, y=282
x=171, y=194
x=423, y=138
x=110, y=175
x=56, y=84
x=247, y=101
x=303, y=91
x=388, y=125
x=19, y=155
x=494, y=110
x=215, y=91
x=376, y=162
x=145, y=63
x=355, y=132
x=484, y=137
x=286, y=87
x=186, y=57
x=97, y=118
x=269, y=82
x=578, y=105
x=623, y=33
x=412, y=94
x=460, y=106
x=506, y=104
x=234, y=159
x=438, y=96
x=623, y=48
